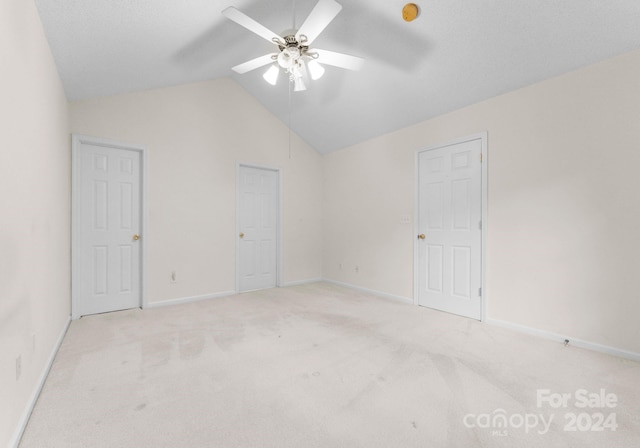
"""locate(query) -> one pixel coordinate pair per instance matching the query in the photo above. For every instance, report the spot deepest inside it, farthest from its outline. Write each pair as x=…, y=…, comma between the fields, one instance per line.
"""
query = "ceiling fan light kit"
x=294, y=55
x=315, y=70
x=271, y=75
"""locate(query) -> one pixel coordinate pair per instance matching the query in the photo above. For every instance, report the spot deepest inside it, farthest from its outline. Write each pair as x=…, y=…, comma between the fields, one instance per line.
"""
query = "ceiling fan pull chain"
x=289, y=111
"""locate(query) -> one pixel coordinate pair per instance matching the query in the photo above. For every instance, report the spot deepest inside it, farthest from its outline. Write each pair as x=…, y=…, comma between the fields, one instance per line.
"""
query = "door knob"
x=241, y=235
x=136, y=237
x=422, y=236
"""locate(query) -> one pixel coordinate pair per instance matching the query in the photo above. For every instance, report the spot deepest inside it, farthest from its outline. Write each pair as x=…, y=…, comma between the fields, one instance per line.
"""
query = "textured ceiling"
x=457, y=52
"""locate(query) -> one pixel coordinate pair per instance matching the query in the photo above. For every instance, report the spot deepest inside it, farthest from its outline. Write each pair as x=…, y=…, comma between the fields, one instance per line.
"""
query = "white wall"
x=563, y=209
x=195, y=135
x=34, y=208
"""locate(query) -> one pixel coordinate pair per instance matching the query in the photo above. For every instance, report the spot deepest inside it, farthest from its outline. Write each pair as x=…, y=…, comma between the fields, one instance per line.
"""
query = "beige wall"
x=563, y=244
x=34, y=208
x=195, y=135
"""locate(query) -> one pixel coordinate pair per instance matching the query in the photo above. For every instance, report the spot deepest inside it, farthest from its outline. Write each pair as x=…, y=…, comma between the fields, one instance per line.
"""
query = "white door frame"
x=76, y=141
x=278, y=172
x=482, y=136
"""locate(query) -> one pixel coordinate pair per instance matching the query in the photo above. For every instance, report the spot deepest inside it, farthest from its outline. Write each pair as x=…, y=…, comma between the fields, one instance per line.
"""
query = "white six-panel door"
x=258, y=228
x=449, y=226
x=108, y=228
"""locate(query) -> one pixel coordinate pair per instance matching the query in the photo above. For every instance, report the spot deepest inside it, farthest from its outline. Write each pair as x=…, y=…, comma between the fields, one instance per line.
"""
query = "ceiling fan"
x=294, y=54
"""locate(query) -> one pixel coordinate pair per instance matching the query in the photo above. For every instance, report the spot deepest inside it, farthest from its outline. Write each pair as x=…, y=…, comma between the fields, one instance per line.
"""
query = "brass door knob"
x=241, y=235
x=422, y=236
x=136, y=237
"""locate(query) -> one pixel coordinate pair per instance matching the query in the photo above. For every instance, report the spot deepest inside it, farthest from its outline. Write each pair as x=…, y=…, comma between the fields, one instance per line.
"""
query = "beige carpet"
x=324, y=366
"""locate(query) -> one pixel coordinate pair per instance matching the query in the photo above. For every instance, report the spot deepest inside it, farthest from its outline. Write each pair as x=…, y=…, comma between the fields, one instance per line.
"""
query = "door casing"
x=482, y=136
x=76, y=142
x=278, y=172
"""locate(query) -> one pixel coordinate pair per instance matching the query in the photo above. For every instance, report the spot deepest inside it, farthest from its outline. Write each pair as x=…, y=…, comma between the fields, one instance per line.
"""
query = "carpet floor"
x=320, y=365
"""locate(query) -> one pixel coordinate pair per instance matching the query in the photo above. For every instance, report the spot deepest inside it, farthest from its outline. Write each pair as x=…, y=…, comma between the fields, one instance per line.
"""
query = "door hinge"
x=480, y=224
x=480, y=291
x=480, y=157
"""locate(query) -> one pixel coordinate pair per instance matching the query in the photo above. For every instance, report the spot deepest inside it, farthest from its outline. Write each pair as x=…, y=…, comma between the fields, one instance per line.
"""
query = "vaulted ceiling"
x=457, y=52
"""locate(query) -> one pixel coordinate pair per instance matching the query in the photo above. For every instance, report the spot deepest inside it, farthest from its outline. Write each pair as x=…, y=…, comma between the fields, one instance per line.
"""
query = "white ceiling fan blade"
x=321, y=16
x=242, y=19
x=253, y=64
x=338, y=59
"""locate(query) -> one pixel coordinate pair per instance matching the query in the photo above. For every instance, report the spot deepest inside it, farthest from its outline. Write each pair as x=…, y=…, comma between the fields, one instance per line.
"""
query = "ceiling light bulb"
x=288, y=57
x=271, y=75
x=315, y=70
x=284, y=60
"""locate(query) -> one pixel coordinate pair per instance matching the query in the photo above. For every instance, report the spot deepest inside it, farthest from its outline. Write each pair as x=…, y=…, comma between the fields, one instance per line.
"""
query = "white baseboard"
x=26, y=414
x=217, y=295
x=182, y=300
x=627, y=354
x=302, y=282
x=572, y=341
x=385, y=295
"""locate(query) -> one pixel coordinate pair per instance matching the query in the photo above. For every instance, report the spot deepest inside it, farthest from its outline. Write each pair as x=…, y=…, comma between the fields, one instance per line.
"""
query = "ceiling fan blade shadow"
x=321, y=15
x=341, y=60
x=253, y=64
x=214, y=47
x=376, y=36
x=244, y=20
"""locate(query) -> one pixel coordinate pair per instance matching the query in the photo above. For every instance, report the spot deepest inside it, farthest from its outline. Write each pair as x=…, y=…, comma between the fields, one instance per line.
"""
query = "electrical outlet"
x=18, y=367
x=357, y=269
x=174, y=277
x=340, y=266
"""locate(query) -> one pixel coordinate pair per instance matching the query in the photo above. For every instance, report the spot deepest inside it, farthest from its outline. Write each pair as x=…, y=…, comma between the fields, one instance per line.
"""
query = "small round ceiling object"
x=410, y=11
